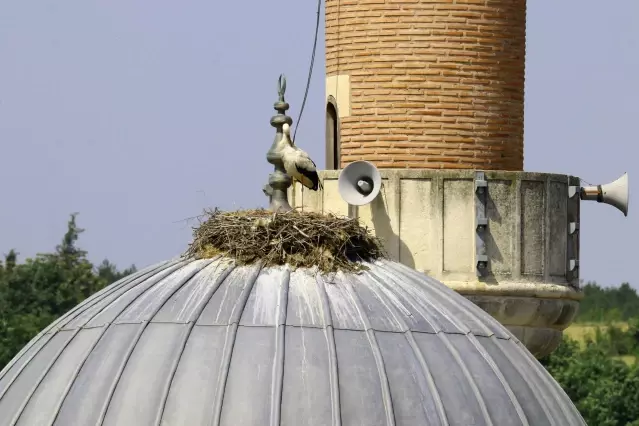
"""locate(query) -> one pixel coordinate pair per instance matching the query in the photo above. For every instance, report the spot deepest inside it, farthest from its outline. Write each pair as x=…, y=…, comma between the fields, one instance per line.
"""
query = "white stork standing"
x=297, y=163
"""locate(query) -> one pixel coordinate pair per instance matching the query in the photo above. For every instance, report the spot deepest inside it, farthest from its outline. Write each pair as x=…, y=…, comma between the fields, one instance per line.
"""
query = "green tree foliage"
x=604, y=389
x=34, y=293
x=108, y=272
x=608, y=304
x=615, y=341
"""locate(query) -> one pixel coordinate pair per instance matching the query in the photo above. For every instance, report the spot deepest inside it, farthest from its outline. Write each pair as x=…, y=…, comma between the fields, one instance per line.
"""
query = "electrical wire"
x=310, y=70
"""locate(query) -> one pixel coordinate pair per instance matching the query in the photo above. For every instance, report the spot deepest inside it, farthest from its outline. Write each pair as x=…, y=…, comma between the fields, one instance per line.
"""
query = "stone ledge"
x=455, y=174
x=557, y=314
x=518, y=289
x=539, y=341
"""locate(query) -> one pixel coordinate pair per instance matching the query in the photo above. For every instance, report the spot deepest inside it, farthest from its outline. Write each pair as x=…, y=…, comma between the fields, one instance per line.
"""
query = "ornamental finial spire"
x=278, y=181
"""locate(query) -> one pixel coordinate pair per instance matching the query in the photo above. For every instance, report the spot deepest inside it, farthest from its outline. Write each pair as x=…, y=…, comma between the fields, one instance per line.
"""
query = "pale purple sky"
x=132, y=113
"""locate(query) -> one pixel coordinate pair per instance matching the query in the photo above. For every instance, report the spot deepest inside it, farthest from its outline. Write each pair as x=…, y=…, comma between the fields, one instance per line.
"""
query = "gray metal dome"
x=203, y=342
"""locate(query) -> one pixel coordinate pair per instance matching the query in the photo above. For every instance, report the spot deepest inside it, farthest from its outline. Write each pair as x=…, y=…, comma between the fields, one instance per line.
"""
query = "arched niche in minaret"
x=332, y=135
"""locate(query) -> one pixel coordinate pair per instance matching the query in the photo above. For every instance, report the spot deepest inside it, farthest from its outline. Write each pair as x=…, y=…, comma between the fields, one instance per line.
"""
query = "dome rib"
x=110, y=301
x=44, y=373
x=156, y=275
x=472, y=311
x=152, y=277
x=491, y=362
x=546, y=405
x=333, y=367
x=377, y=353
x=485, y=355
x=553, y=388
x=439, y=406
x=558, y=393
x=77, y=371
x=437, y=319
x=113, y=310
x=469, y=311
x=280, y=347
x=42, y=339
x=233, y=325
x=143, y=325
x=72, y=313
x=445, y=305
x=193, y=341
x=455, y=354
x=207, y=297
x=475, y=343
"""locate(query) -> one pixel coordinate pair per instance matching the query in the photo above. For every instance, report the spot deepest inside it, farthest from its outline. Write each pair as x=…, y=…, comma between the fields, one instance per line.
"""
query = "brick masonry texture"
x=434, y=84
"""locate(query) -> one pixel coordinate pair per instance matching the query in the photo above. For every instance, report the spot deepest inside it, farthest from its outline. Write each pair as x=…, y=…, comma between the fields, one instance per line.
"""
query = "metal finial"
x=281, y=87
x=278, y=181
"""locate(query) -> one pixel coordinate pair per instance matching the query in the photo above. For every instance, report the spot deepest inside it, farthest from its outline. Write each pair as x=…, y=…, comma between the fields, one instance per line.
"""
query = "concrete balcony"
x=522, y=266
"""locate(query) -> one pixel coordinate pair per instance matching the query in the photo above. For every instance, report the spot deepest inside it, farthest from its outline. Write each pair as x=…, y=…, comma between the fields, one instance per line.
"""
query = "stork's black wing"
x=311, y=175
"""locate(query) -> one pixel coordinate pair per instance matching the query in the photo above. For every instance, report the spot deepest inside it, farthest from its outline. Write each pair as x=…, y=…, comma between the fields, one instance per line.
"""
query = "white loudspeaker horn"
x=613, y=193
x=359, y=183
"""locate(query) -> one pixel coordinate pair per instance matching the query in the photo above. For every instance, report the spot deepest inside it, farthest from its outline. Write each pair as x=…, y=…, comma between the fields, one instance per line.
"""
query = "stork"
x=297, y=163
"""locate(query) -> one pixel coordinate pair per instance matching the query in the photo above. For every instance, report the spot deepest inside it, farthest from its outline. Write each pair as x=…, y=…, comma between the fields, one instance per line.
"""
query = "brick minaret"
x=428, y=84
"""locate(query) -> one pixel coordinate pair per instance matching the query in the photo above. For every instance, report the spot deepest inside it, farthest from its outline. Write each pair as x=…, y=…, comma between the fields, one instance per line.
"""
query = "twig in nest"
x=299, y=239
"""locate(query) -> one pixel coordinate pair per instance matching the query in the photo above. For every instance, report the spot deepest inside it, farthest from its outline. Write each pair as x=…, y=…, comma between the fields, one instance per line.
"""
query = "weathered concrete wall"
x=427, y=220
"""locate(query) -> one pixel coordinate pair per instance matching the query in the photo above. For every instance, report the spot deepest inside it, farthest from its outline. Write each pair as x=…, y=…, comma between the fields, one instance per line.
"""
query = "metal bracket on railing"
x=573, y=264
x=572, y=252
x=573, y=227
x=481, y=221
x=573, y=190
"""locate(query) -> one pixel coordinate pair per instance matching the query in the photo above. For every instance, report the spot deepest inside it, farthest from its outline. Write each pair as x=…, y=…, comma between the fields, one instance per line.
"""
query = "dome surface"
x=205, y=342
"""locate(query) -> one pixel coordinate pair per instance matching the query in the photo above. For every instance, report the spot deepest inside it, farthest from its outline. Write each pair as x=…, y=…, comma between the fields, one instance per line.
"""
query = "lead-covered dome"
x=206, y=342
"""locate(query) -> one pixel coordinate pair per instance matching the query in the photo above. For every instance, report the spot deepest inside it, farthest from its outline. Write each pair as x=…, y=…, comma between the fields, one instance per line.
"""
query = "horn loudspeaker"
x=359, y=183
x=613, y=193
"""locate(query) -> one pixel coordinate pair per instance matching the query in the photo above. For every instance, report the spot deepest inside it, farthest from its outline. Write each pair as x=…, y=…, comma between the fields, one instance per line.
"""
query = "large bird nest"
x=299, y=239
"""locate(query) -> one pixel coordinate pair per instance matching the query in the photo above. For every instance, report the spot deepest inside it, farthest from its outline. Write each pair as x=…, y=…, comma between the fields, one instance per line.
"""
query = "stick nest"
x=302, y=240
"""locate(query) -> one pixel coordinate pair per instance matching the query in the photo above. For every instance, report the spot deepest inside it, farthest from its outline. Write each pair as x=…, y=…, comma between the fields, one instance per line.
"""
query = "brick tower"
x=426, y=84
x=432, y=93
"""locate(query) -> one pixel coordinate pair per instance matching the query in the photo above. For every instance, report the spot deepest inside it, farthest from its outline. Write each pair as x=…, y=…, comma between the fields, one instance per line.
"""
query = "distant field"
x=581, y=331
x=628, y=359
